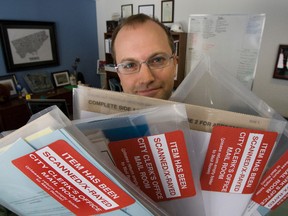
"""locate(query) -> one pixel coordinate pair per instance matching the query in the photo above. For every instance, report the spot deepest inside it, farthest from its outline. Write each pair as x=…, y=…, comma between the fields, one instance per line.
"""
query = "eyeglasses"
x=156, y=62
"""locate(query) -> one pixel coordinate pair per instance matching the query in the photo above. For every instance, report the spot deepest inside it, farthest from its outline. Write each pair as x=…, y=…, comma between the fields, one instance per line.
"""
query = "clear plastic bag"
x=210, y=85
x=57, y=190
x=123, y=128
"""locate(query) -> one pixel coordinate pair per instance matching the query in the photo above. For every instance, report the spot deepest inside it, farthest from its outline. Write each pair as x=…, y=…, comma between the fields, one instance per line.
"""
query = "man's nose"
x=145, y=73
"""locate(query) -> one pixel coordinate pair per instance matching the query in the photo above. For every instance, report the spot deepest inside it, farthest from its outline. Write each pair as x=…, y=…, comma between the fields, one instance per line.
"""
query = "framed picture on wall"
x=146, y=9
x=126, y=10
x=28, y=44
x=167, y=11
x=280, y=69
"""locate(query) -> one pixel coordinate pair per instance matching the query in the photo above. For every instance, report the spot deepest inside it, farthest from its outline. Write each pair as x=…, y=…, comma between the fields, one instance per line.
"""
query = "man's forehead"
x=131, y=39
x=148, y=24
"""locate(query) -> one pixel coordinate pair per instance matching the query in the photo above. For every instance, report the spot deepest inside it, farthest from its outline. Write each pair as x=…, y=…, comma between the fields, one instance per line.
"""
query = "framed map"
x=28, y=44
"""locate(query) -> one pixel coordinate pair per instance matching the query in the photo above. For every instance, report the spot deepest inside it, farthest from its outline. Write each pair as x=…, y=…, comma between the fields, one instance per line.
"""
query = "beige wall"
x=273, y=91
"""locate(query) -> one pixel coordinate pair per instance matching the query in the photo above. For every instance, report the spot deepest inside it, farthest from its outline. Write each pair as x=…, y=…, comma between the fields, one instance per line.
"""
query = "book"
x=108, y=45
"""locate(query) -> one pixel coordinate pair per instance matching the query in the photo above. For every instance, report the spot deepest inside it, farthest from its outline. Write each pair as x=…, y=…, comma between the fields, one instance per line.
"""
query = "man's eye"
x=129, y=66
x=157, y=60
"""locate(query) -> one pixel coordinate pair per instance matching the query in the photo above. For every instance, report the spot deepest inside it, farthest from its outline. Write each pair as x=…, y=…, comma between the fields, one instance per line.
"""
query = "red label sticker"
x=72, y=180
x=235, y=159
x=273, y=189
x=158, y=164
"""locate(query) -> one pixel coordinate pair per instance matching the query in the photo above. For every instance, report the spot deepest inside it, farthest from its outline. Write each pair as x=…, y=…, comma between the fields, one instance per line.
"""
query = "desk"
x=15, y=113
x=60, y=93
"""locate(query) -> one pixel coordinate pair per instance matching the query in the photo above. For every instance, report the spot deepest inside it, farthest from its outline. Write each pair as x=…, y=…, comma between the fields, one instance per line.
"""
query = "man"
x=143, y=51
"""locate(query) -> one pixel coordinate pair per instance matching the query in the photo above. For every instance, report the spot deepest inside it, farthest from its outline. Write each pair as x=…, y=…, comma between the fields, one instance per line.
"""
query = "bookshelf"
x=111, y=75
x=108, y=56
x=180, y=41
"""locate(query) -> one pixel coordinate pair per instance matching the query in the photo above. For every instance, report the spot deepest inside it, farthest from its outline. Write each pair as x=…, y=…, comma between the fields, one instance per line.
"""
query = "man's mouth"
x=148, y=92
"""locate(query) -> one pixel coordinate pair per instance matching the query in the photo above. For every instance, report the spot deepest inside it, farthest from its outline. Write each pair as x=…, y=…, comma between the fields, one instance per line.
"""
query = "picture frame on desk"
x=280, y=70
x=61, y=78
x=39, y=82
x=28, y=44
x=9, y=81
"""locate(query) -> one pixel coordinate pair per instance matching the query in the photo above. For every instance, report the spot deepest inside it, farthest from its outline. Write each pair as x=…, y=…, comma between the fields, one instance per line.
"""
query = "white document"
x=231, y=202
x=233, y=40
x=216, y=203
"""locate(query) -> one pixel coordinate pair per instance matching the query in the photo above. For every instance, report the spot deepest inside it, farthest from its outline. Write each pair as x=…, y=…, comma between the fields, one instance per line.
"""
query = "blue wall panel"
x=76, y=32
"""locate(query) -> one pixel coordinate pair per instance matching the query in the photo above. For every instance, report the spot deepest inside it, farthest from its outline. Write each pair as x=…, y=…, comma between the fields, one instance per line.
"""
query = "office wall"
x=76, y=32
x=272, y=91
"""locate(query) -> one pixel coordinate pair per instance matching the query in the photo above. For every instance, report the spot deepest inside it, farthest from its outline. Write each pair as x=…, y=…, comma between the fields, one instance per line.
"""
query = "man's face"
x=139, y=43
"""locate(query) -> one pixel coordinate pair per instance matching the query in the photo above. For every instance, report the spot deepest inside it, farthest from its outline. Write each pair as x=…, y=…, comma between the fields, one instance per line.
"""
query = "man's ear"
x=175, y=61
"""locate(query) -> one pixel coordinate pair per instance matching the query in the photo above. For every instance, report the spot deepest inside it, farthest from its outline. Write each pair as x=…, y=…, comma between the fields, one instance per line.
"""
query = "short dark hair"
x=140, y=19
